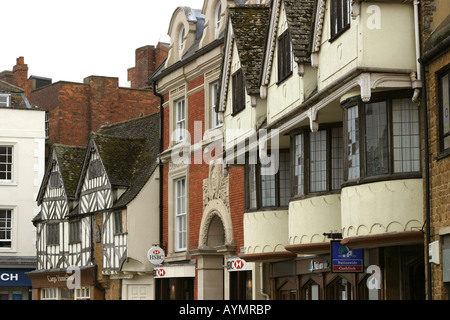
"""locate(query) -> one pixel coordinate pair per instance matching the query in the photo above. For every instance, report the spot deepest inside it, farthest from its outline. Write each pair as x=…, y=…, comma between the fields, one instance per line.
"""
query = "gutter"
x=161, y=168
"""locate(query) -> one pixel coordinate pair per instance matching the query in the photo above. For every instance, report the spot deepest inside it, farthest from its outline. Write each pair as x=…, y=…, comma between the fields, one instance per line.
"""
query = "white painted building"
x=22, y=162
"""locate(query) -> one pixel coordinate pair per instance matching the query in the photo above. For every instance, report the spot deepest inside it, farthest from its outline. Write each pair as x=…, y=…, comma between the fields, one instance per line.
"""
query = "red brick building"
x=203, y=201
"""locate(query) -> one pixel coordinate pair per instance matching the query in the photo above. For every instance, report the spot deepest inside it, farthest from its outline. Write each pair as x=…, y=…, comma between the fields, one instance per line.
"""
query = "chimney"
x=20, y=73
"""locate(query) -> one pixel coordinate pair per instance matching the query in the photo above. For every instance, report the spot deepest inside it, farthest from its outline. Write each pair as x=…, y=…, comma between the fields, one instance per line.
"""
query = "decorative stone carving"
x=216, y=186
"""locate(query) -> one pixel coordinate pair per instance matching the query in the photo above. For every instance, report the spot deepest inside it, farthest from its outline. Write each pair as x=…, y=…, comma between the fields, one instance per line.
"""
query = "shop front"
x=174, y=282
x=15, y=284
x=65, y=284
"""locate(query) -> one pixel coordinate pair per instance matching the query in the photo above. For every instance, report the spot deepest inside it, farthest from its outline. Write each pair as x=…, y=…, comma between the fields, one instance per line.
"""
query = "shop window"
x=241, y=285
x=174, y=289
x=317, y=161
x=310, y=291
x=49, y=294
x=82, y=293
x=340, y=289
x=444, y=110
x=382, y=138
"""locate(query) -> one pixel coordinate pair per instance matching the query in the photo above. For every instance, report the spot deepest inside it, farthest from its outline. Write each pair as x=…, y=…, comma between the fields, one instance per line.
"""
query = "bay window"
x=317, y=160
x=382, y=137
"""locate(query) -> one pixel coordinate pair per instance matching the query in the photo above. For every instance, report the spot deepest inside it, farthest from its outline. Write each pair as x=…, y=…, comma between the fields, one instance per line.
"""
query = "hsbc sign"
x=235, y=265
x=159, y=273
x=156, y=255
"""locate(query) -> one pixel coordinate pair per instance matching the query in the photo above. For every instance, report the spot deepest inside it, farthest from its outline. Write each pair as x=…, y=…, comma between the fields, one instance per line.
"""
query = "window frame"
x=9, y=226
x=118, y=222
x=180, y=121
x=74, y=231
x=53, y=235
x=238, y=92
x=363, y=177
x=443, y=135
x=217, y=15
x=341, y=24
x=213, y=89
x=285, y=57
x=305, y=132
x=180, y=215
x=7, y=102
x=9, y=166
x=258, y=184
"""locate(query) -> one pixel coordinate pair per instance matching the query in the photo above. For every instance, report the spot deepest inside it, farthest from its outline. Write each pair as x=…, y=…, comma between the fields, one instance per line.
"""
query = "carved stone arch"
x=214, y=210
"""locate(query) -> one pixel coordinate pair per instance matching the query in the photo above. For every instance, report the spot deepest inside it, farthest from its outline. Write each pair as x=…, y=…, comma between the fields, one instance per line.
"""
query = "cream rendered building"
x=22, y=144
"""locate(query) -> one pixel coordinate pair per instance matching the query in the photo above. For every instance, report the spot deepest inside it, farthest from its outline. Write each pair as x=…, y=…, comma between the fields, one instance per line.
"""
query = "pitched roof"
x=250, y=24
x=129, y=152
x=18, y=99
x=299, y=15
x=70, y=160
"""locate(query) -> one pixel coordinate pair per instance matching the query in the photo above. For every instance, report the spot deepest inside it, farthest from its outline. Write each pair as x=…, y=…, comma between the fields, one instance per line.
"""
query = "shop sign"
x=344, y=259
x=159, y=272
x=14, y=278
x=156, y=255
x=315, y=265
x=235, y=264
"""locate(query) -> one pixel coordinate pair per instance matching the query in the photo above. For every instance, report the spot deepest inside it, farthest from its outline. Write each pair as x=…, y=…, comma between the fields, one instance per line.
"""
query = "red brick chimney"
x=20, y=74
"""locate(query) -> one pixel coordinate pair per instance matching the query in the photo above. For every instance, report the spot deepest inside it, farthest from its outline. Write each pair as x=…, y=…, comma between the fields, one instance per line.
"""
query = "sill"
x=120, y=233
x=283, y=79
x=237, y=112
x=266, y=209
x=339, y=33
x=397, y=176
x=7, y=183
x=442, y=155
x=314, y=194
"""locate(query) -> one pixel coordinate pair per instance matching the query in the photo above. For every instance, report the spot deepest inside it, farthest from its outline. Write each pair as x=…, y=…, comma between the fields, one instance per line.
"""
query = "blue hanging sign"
x=344, y=259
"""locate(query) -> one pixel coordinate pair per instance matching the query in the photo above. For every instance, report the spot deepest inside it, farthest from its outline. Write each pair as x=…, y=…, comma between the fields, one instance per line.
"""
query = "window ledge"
x=443, y=154
x=398, y=176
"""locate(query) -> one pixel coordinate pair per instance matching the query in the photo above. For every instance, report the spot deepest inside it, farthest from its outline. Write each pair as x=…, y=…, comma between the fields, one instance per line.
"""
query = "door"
x=139, y=292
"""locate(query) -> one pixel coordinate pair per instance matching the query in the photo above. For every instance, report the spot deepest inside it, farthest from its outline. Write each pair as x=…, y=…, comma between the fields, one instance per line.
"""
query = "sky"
x=69, y=40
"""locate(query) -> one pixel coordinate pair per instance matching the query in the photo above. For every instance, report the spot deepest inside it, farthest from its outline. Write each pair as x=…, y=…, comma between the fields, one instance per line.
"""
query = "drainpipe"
x=416, y=80
x=161, y=171
x=261, y=290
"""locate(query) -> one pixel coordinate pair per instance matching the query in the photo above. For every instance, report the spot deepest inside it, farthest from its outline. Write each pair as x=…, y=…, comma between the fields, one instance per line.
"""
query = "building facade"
x=100, y=216
x=22, y=145
x=435, y=60
x=341, y=112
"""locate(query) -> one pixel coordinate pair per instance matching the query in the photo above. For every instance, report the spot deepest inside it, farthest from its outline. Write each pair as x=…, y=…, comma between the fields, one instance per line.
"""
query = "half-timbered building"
x=100, y=215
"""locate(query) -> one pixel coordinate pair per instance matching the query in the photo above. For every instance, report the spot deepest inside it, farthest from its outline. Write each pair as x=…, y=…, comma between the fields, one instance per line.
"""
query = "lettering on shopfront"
x=9, y=277
x=57, y=278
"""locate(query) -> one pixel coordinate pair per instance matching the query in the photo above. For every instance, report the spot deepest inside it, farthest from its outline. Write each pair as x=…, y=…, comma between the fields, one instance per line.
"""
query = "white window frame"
x=180, y=120
x=217, y=14
x=5, y=100
x=181, y=41
x=83, y=293
x=10, y=228
x=11, y=171
x=49, y=294
x=180, y=214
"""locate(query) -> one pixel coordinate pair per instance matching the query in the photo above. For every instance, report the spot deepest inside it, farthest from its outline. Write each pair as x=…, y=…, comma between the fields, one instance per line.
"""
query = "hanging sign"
x=156, y=255
x=344, y=259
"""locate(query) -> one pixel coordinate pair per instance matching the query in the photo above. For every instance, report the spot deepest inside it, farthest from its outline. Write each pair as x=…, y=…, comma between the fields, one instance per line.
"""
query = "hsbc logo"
x=159, y=272
x=235, y=265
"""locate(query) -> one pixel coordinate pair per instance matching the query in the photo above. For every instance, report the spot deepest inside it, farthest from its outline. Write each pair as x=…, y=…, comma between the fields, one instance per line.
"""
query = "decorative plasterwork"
x=216, y=204
x=318, y=25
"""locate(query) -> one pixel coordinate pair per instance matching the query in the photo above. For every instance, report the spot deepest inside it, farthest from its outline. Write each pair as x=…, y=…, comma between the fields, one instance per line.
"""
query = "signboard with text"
x=344, y=259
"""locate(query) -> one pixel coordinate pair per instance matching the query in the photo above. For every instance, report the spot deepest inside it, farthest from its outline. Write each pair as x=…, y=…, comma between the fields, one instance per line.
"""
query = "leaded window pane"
x=377, y=157
x=353, y=143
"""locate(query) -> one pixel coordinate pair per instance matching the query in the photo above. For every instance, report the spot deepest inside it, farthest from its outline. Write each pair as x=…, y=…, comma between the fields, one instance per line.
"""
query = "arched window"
x=217, y=15
x=180, y=41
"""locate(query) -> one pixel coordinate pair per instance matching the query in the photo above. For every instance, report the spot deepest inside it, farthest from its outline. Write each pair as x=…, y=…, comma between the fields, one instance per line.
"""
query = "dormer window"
x=180, y=41
x=5, y=100
x=217, y=15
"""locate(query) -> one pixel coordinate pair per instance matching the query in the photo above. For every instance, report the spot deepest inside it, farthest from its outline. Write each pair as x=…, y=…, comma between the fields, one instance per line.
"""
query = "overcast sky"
x=70, y=40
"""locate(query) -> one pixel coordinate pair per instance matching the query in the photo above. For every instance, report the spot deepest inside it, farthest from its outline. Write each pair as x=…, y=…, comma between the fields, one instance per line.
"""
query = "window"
x=215, y=122
x=388, y=133
x=444, y=112
x=5, y=228
x=265, y=189
x=180, y=41
x=53, y=234
x=238, y=91
x=217, y=15
x=340, y=16
x=284, y=56
x=82, y=293
x=55, y=182
x=75, y=232
x=5, y=100
x=340, y=289
x=6, y=163
x=323, y=152
x=95, y=169
x=46, y=124
x=180, y=117
x=180, y=215
x=310, y=291
x=118, y=222
x=49, y=294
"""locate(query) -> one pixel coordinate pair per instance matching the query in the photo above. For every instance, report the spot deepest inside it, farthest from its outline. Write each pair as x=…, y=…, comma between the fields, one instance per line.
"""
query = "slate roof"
x=129, y=152
x=18, y=99
x=250, y=25
x=300, y=15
